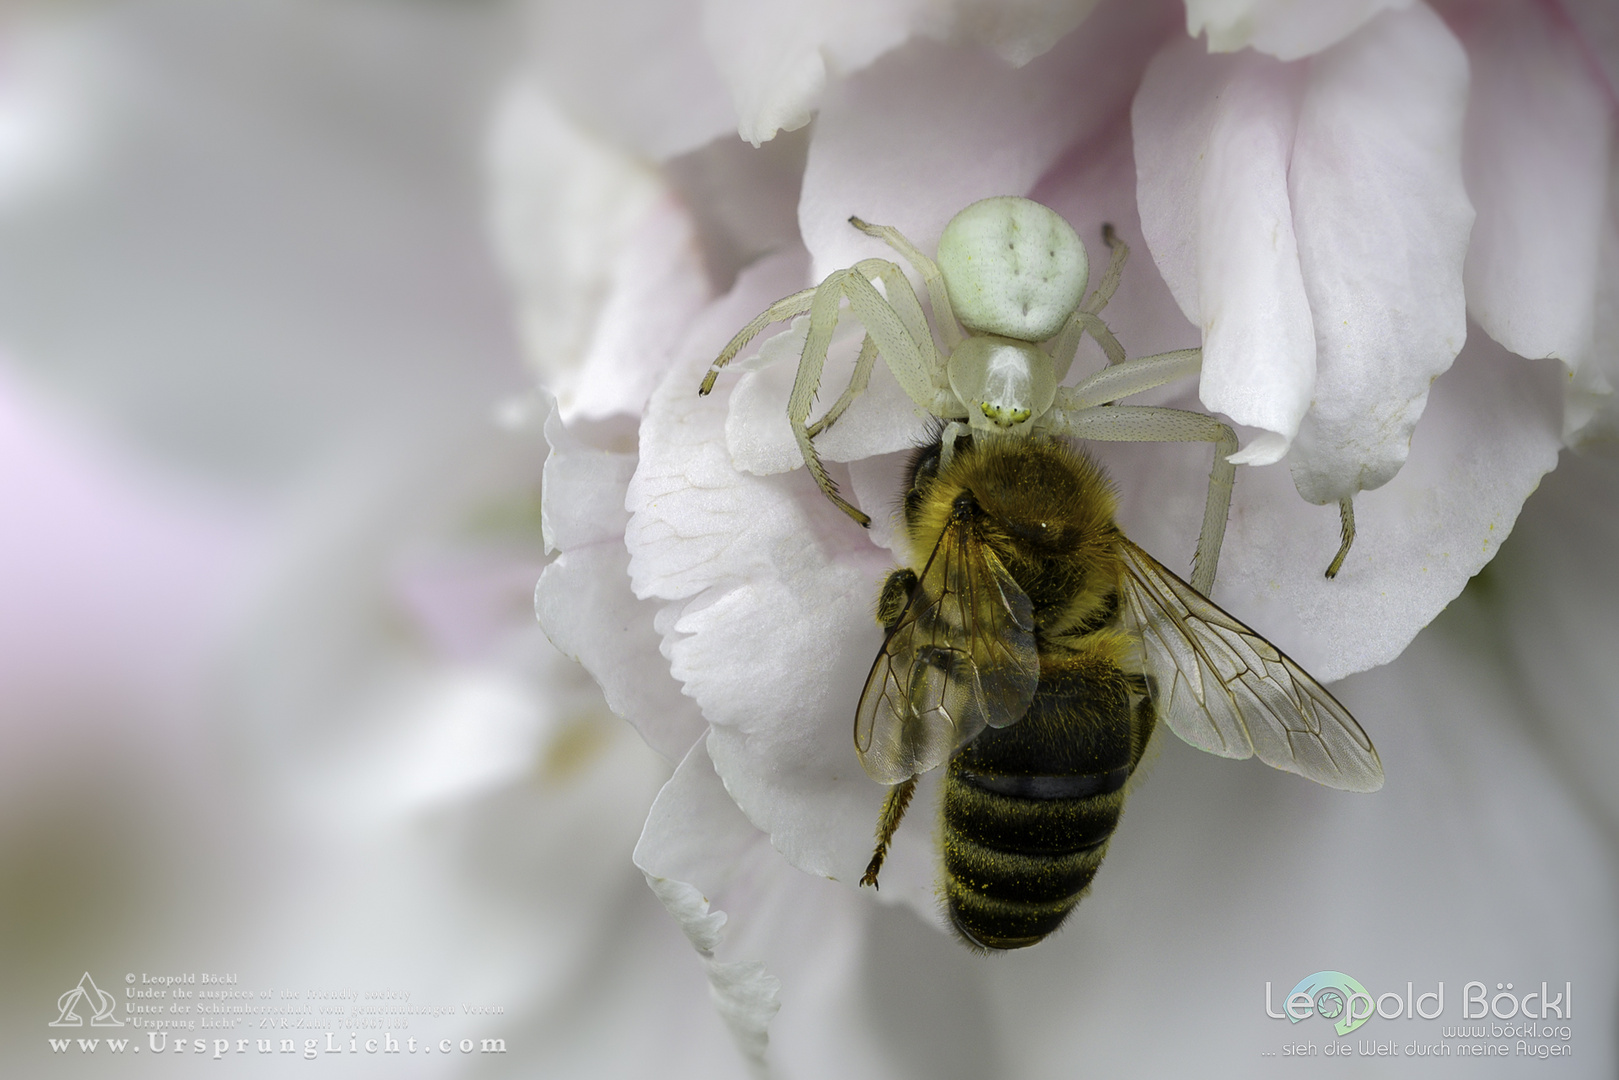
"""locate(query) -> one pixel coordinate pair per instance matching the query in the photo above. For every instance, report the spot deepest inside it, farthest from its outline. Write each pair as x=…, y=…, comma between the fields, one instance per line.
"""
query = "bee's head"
x=1043, y=507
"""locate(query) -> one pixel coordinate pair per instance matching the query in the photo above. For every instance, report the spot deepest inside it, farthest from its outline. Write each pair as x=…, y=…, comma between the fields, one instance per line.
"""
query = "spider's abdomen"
x=1028, y=809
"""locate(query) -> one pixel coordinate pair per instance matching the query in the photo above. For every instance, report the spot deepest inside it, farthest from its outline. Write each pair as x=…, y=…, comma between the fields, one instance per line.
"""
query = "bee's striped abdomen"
x=1029, y=808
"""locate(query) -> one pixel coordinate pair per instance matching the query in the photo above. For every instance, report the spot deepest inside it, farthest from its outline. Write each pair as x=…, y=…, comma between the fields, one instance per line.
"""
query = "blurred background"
x=273, y=703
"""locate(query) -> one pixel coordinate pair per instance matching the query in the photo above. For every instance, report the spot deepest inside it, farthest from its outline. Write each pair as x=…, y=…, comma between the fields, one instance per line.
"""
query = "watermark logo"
x=92, y=999
x=1331, y=993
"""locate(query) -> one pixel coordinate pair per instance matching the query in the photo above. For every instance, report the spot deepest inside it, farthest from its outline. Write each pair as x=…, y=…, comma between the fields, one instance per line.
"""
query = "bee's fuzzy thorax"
x=1044, y=507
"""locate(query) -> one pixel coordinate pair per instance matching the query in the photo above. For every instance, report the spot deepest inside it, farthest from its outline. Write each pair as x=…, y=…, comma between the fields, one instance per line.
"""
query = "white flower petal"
x=585, y=604
x=1382, y=222
x=778, y=58
x=657, y=284
x=695, y=834
x=744, y=200
x=584, y=600
x=931, y=129
x=1097, y=187
x=560, y=231
x=637, y=72
x=775, y=56
x=1490, y=433
x=753, y=917
x=1214, y=139
x=1531, y=267
x=1286, y=29
x=581, y=490
x=745, y=995
x=1019, y=30
x=771, y=625
x=878, y=484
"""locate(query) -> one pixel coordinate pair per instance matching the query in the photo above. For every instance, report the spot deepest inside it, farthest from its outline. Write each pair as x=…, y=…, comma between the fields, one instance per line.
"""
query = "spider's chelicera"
x=1007, y=294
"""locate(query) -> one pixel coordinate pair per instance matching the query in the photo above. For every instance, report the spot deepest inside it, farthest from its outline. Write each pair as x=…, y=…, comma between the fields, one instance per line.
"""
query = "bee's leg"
x=896, y=594
x=1150, y=423
x=899, y=797
x=1144, y=716
x=1346, y=534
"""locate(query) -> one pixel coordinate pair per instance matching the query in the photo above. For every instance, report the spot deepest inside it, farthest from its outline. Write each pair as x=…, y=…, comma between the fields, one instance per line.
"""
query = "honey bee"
x=1033, y=653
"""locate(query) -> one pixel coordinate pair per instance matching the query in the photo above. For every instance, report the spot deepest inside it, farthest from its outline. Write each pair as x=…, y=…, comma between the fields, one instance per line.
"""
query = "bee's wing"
x=1225, y=689
x=961, y=657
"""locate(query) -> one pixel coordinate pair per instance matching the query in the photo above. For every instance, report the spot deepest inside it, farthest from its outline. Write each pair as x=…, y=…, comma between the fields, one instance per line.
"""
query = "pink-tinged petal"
x=637, y=72
x=1596, y=22
x=1019, y=30
x=1382, y=220
x=1491, y=431
x=1285, y=29
x=778, y=58
x=584, y=600
x=119, y=581
x=931, y=129
x=1537, y=167
x=1095, y=184
x=1214, y=137
x=770, y=623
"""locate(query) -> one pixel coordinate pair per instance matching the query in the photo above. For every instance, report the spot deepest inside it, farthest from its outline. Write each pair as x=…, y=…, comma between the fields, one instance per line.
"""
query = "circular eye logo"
x=1333, y=995
x=1329, y=1003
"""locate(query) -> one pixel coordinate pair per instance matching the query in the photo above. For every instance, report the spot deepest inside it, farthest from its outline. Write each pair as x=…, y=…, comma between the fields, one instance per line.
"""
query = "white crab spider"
x=1013, y=272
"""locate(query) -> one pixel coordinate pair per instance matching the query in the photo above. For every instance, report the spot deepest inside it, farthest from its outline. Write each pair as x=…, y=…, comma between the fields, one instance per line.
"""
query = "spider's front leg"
x=944, y=317
x=895, y=328
x=1149, y=423
x=788, y=307
x=904, y=304
x=1087, y=317
x=857, y=386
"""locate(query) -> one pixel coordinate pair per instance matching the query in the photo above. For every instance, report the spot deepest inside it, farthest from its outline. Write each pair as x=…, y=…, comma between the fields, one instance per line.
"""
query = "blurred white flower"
x=1321, y=196
x=274, y=698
